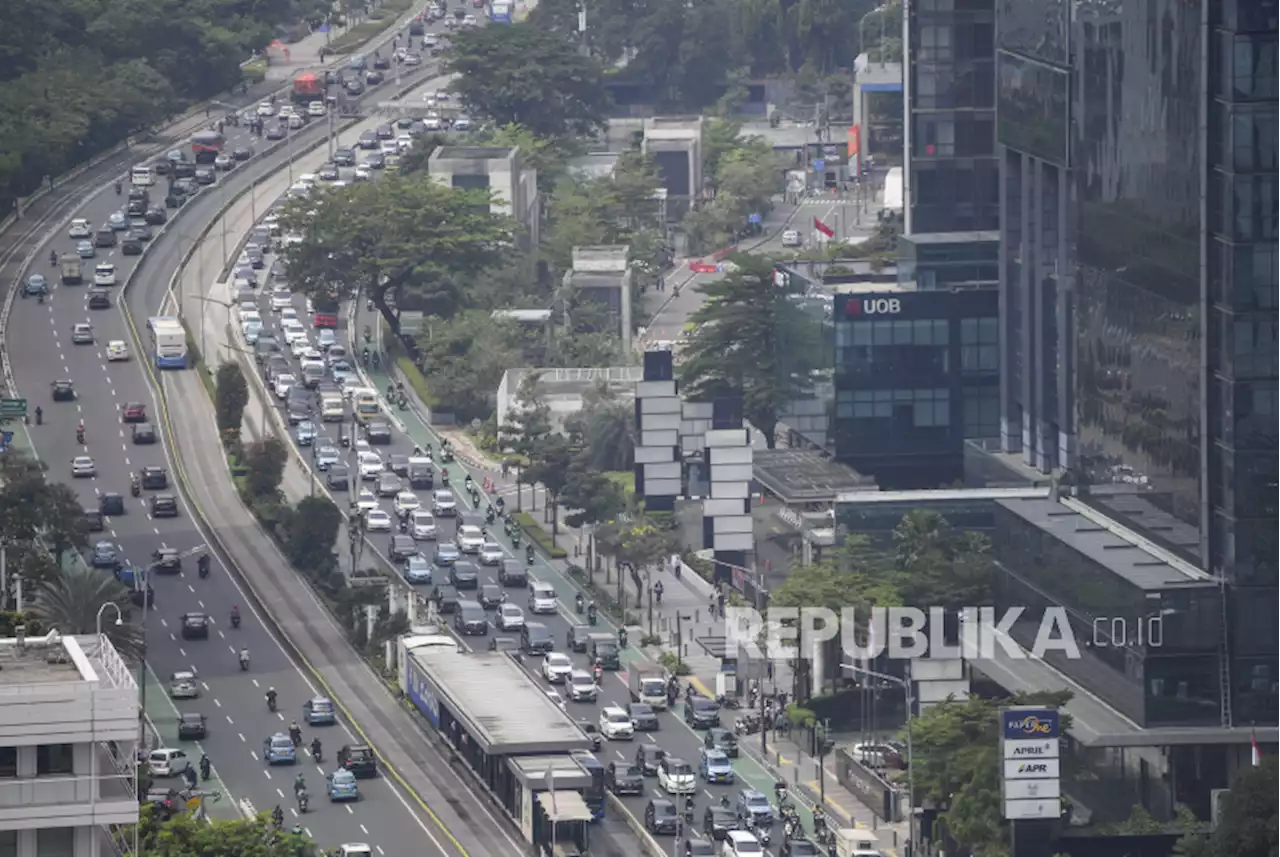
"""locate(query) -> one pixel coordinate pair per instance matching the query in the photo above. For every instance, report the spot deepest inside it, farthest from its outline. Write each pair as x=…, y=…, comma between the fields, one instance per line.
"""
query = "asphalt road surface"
x=39, y=343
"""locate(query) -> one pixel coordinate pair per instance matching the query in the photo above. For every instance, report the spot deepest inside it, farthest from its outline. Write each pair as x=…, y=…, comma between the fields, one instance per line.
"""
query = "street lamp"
x=204, y=352
x=119, y=619
x=909, y=698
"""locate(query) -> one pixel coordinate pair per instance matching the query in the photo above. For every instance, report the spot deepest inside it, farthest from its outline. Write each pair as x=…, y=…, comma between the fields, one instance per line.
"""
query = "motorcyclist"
x=490, y=515
x=271, y=698
x=591, y=613
x=39, y=415
x=295, y=733
x=53, y=258
x=622, y=638
x=597, y=672
x=298, y=830
x=206, y=766
x=80, y=433
x=724, y=801
x=277, y=816
x=579, y=602
x=119, y=187
x=235, y=615
x=315, y=749
x=202, y=565
x=299, y=783
x=135, y=484
x=529, y=554
x=244, y=659
x=657, y=592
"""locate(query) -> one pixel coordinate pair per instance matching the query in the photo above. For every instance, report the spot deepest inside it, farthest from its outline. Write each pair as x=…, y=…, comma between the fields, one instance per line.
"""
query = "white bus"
x=143, y=175
x=168, y=342
x=364, y=404
x=893, y=190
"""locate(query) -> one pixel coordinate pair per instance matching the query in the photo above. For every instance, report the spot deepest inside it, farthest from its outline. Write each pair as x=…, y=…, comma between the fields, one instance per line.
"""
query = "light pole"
x=204, y=352
x=119, y=619
x=909, y=697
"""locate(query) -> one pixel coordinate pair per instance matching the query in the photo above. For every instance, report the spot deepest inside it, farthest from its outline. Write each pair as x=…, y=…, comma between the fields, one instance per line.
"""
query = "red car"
x=135, y=413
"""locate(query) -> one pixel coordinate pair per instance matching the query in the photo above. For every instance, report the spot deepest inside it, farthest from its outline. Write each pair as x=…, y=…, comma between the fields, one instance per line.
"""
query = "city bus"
x=364, y=404
x=500, y=11
x=207, y=145
x=593, y=795
x=143, y=175
x=168, y=340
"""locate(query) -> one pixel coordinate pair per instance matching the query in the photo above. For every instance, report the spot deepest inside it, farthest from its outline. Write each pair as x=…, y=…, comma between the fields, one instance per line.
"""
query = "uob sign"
x=874, y=306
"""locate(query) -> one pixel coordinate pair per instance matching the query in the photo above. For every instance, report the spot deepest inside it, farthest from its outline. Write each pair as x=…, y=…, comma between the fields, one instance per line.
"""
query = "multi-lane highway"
x=40, y=345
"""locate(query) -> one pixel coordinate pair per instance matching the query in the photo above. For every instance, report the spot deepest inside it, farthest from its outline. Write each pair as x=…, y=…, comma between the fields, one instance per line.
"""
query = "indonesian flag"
x=823, y=228
x=1257, y=754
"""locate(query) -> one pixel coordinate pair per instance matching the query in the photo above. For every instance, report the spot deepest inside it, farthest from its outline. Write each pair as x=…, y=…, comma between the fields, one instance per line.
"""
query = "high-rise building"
x=68, y=739
x=1139, y=285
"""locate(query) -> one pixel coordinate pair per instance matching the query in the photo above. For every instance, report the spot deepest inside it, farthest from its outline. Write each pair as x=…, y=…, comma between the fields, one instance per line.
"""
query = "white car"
x=80, y=228
x=470, y=539
x=282, y=384
x=443, y=504
x=104, y=274
x=117, y=350
x=740, y=843
x=791, y=238
x=370, y=464
x=266, y=108
x=82, y=465
x=316, y=108
x=422, y=526
x=616, y=725
x=250, y=314
x=363, y=173
x=556, y=667
x=377, y=521
x=405, y=142
x=542, y=598
x=281, y=299
x=510, y=618
x=462, y=123
x=491, y=553
x=367, y=500
x=308, y=179
x=168, y=762
x=675, y=777
x=406, y=503
x=300, y=345
x=289, y=317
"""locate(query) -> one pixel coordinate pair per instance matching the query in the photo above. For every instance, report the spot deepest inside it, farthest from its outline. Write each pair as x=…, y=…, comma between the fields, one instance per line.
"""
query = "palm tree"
x=70, y=600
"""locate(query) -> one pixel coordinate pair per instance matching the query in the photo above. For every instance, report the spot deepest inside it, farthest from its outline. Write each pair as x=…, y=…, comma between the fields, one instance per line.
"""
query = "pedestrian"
x=711, y=607
x=207, y=108
x=720, y=603
x=506, y=469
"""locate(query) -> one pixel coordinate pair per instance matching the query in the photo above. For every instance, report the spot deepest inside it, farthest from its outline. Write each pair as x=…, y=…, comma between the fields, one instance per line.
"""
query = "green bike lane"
x=678, y=738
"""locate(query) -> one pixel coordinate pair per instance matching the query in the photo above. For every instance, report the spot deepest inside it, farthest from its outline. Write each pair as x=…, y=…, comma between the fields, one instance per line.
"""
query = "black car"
x=337, y=477
x=241, y=153
x=191, y=727
x=702, y=713
x=660, y=816
x=328, y=173
x=490, y=596
x=195, y=626
x=799, y=848
x=648, y=757
x=446, y=598
x=624, y=779
x=345, y=157
x=144, y=433
x=205, y=175
x=274, y=132
x=99, y=299
x=379, y=432
x=136, y=208
x=164, y=506
x=64, y=391
x=156, y=216
x=464, y=575
x=105, y=555
x=535, y=639
x=373, y=78
x=513, y=573
x=94, y=521
x=385, y=132
x=722, y=740
x=470, y=619
x=359, y=760
x=375, y=160
x=643, y=717
x=381, y=63
x=166, y=559
x=131, y=245
x=699, y=848
x=111, y=504
x=354, y=87
x=154, y=478
x=398, y=464
x=576, y=638
x=718, y=821
x=368, y=140
x=402, y=547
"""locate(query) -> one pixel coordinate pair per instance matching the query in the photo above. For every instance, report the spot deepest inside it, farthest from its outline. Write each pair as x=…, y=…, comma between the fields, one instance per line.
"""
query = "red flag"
x=1257, y=754
x=823, y=228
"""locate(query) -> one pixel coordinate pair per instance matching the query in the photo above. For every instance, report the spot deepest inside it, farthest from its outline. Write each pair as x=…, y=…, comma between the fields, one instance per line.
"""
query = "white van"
x=143, y=175
x=104, y=274
x=331, y=408
x=168, y=762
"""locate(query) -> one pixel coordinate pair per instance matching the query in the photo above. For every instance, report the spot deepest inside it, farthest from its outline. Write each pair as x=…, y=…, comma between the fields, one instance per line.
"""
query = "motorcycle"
x=403, y=402
x=689, y=810
x=790, y=827
x=244, y=662
x=304, y=801
x=206, y=769
x=529, y=554
x=515, y=539
x=315, y=751
x=135, y=488
x=728, y=701
x=80, y=436
x=761, y=833
x=271, y=703
x=235, y=620
x=591, y=615
x=578, y=605
x=748, y=724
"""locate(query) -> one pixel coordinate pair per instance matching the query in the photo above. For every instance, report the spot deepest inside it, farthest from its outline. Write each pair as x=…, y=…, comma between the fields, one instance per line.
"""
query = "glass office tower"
x=1139, y=281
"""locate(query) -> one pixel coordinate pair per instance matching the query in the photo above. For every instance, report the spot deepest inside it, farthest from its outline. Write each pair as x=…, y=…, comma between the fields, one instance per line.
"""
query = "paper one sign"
x=1031, y=776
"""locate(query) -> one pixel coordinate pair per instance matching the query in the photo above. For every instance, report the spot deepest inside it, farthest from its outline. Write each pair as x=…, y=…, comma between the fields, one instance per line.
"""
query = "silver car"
x=184, y=685
x=327, y=456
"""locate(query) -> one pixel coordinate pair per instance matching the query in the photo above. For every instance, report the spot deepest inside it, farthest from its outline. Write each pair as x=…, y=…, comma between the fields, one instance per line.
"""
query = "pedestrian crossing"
x=829, y=201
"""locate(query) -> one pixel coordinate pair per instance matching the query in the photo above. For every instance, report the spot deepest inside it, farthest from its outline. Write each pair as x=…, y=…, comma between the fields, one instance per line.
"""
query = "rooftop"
x=472, y=153
x=58, y=659
x=597, y=280
x=502, y=708
x=944, y=495
x=533, y=771
x=1106, y=543
x=807, y=476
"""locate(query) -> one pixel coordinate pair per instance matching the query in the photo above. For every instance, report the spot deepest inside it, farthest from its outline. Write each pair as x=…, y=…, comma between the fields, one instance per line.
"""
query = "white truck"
x=648, y=684
x=332, y=408
x=72, y=269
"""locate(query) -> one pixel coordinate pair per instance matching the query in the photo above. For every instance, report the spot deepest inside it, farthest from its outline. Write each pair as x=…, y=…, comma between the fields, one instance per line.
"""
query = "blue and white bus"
x=500, y=11
x=168, y=342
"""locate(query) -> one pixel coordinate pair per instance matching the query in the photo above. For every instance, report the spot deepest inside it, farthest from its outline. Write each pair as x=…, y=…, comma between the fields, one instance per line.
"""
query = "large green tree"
x=69, y=600
x=404, y=242
x=752, y=341
x=38, y=518
x=1248, y=826
x=464, y=359
x=937, y=565
x=523, y=75
x=185, y=836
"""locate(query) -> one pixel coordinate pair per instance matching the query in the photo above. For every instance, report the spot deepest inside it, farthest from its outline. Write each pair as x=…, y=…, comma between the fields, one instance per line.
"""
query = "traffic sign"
x=13, y=409
x=753, y=218
x=819, y=165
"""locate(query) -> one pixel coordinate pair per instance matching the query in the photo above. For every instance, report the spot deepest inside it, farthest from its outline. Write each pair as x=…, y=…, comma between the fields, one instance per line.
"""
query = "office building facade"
x=68, y=733
x=1139, y=284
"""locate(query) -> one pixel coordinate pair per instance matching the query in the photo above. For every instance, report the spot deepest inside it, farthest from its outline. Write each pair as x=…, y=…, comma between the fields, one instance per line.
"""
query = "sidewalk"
x=687, y=597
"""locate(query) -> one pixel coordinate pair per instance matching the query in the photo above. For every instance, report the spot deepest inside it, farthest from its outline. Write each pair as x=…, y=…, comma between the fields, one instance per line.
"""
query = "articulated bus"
x=168, y=340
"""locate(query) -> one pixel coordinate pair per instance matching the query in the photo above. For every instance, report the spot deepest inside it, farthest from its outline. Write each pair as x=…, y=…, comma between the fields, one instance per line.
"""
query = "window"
x=1256, y=276
x=54, y=759
x=1253, y=142
x=979, y=345
x=56, y=842
x=1253, y=67
x=8, y=843
x=8, y=761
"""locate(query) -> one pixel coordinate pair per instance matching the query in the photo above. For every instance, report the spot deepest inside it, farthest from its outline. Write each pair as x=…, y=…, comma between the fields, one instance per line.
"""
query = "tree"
x=231, y=395
x=69, y=601
x=593, y=497
x=407, y=242
x=311, y=532
x=937, y=566
x=1248, y=824
x=527, y=426
x=751, y=341
x=607, y=429
x=549, y=463
x=523, y=75
x=464, y=361
x=265, y=461
x=185, y=836
x=37, y=517
x=956, y=765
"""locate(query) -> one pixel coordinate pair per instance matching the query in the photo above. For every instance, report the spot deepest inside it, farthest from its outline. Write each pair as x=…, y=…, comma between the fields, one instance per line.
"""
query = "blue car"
x=318, y=711
x=446, y=554
x=342, y=786
x=105, y=555
x=36, y=285
x=279, y=750
x=714, y=766
x=417, y=570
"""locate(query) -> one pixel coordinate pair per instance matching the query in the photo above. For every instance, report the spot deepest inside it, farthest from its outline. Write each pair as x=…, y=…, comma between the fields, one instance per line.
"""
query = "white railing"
x=112, y=669
x=63, y=790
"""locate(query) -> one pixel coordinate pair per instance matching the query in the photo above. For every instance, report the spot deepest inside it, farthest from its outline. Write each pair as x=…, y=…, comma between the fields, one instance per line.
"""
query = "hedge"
x=535, y=532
